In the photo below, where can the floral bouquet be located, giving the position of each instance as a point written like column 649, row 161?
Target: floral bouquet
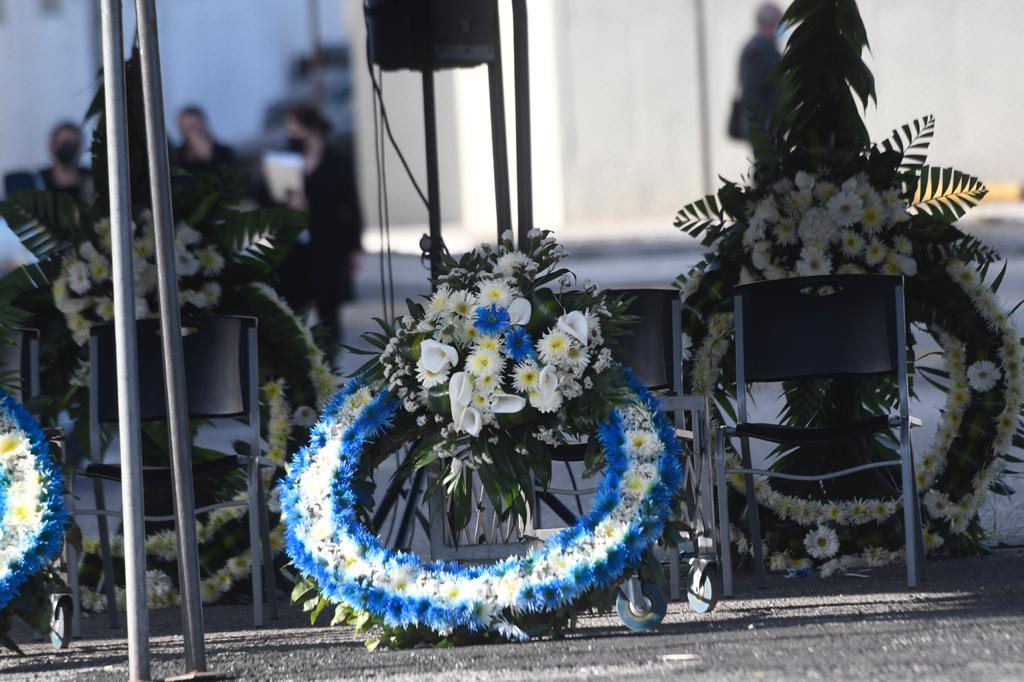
column 485, row 380
column 84, row 290
column 822, row 199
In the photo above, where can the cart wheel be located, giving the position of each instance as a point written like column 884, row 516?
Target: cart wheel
column 643, row 620
column 702, row 588
column 60, row 623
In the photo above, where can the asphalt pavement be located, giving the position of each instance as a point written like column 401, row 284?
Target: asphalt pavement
column 965, row 622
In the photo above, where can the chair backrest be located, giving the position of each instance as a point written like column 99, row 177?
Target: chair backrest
column 809, row 327
column 21, row 180
column 653, row 347
column 220, row 355
column 19, row 360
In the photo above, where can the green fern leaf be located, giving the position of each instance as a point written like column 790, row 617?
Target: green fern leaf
column 695, row 218
column 911, row 142
column 946, row 193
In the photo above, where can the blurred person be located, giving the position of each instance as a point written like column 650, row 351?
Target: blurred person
column 759, row 87
column 64, row 175
column 324, row 264
column 199, row 152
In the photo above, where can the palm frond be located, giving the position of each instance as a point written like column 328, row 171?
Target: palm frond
column 946, row 193
column 42, row 221
column 705, row 214
column 259, row 239
column 911, row 142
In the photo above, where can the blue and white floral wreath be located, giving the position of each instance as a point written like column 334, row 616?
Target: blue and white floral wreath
column 32, row 514
column 465, row 345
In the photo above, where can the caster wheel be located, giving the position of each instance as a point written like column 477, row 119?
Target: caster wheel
column 644, row 619
column 702, row 588
column 60, row 623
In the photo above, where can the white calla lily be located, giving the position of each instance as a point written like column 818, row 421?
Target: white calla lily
column 470, row 421
column 503, row 403
column 575, row 325
column 520, row 311
column 435, row 357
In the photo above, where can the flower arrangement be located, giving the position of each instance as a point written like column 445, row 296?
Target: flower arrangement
column 32, row 515
column 822, row 199
column 494, row 371
column 226, row 260
column 84, row 289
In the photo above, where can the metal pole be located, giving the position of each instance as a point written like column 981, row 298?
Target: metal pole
column 170, row 325
column 433, row 188
column 703, row 98
column 499, row 144
column 124, row 336
column 524, row 162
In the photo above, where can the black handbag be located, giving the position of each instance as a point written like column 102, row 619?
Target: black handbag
column 738, row 120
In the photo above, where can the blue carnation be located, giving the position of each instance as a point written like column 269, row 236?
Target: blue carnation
column 519, row 344
column 491, row 320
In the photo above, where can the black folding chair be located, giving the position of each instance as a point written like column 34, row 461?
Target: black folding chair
column 221, row 376
column 804, row 328
column 19, row 362
column 653, row 350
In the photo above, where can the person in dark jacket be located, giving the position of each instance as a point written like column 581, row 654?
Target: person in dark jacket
column 760, row 57
column 199, row 151
column 323, row 269
column 64, row 175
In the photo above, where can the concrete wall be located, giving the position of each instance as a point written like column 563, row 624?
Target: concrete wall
column 616, row 110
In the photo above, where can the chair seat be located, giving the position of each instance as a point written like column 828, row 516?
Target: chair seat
column 157, row 475
column 571, row 452
column 806, row 436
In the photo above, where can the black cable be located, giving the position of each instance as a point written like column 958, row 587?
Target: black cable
column 377, row 144
column 387, row 211
column 387, row 123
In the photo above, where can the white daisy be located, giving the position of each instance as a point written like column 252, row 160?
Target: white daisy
column 495, row 292
column 875, row 252
column 845, row 208
column 784, row 232
column 460, row 303
column 822, row 542
column 983, row 376
column 483, row 362
column 851, row 243
column 813, row 261
column 78, row 277
column 872, row 218
column 554, row 347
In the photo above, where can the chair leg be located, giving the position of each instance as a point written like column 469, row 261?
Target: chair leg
column 255, row 572
column 753, row 518
column 909, row 503
column 71, row 557
column 725, row 547
column 108, row 556
column 922, row 565
column 269, row 574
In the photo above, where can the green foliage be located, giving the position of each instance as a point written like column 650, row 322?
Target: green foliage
column 945, row 193
column 911, row 142
column 824, row 77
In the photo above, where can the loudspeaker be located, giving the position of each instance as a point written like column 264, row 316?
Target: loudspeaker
column 430, row 34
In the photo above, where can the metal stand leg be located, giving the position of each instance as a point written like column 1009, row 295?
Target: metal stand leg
column 269, row 574
column 725, row 546
column 256, row 573
column 524, row 171
column 108, row 557
column 499, row 144
column 71, row 558
column 753, row 517
column 922, row 567
column 910, row 517
column 433, row 188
